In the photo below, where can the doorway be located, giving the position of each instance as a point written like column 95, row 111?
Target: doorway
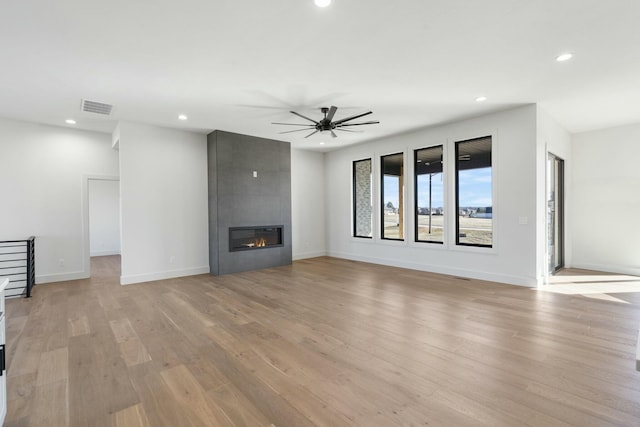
column 555, row 213
column 102, row 236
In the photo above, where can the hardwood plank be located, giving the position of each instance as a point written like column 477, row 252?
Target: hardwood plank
column 192, row 397
column 324, row 342
column 189, row 309
column 18, row 411
column 237, row 407
column 21, row 386
column 606, row 414
column 99, row 384
column 20, row 422
column 122, row 330
column 54, row 366
column 51, row 405
column 206, row 372
column 240, row 369
column 14, row 327
column 79, row 326
column 25, row 358
column 134, row 352
column 133, row 416
column 161, row 408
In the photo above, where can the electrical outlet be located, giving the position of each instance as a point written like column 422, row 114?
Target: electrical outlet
column 172, row 259
column 61, row 262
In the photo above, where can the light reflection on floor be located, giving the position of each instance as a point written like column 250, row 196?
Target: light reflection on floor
column 592, row 284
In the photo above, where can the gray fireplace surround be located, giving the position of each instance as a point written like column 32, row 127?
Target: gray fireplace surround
column 249, row 186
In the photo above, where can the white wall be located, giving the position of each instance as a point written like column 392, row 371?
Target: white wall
column 553, row 138
column 163, row 183
column 307, row 204
column 104, row 217
column 606, row 200
column 42, row 174
column 514, row 258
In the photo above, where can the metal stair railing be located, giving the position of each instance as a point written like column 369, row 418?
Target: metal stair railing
column 17, row 262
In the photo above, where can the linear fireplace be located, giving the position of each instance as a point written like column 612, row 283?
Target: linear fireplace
column 257, row 237
column 249, row 188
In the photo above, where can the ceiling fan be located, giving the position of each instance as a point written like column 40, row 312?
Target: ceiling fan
column 327, row 123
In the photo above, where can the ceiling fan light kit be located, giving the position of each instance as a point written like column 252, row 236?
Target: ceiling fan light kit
column 327, row 124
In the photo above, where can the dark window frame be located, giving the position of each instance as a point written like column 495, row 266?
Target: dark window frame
column 416, row 224
column 457, row 192
column 382, row 204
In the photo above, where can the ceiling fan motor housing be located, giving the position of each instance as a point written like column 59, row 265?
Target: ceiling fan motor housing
column 327, row 123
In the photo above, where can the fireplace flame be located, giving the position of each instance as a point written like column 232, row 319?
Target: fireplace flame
column 257, row 243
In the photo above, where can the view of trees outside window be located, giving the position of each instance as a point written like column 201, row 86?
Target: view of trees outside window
column 392, row 197
column 474, row 196
column 429, row 191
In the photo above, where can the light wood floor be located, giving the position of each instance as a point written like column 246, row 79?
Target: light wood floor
column 323, row 342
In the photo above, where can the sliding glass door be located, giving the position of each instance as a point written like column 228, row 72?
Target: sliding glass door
column 555, row 213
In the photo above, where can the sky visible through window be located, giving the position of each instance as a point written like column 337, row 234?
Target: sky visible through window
column 391, row 190
column 475, row 189
column 437, row 191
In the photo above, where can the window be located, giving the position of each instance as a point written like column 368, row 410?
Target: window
column 429, row 195
column 362, row 194
column 392, row 197
column 474, row 200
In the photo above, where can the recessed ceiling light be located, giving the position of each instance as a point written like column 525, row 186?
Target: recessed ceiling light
column 322, row 3
column 182, row 117
column 481, row 99
column 564, row 57
column 322, row 143
column 70, row 122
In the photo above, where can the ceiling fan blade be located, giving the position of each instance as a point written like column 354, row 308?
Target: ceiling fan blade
column 357, row 116
column 349, row 130
column 267, row 107
column 291, row 124
column 315, row 131
column 295, row 130
column 332, row 112
column 358, row 124
column 333, row 134
column 304, row 117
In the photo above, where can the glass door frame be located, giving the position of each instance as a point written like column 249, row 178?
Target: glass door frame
column 555, row 213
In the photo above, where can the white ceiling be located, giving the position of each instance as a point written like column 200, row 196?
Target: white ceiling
column 238, row 65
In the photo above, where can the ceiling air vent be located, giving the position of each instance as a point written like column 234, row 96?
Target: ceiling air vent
column 96, row 107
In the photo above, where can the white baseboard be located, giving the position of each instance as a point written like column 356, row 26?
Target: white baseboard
column 162, row 275
column 616, row 269
column 61, row 277
column 104, row 253
column 461, row 272
column 306, row 255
